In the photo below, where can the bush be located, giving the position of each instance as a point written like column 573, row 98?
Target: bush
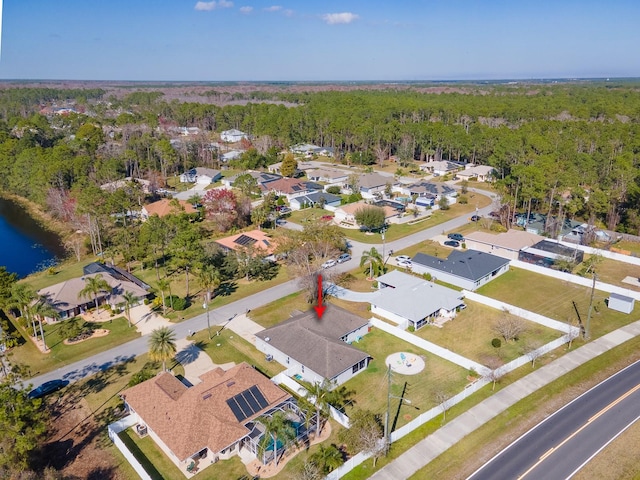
column 334, row 190
column 146, row 301
column 463, row 200
column 180, row 303
column 427, row 277
column 496, row 343
column 411, row 328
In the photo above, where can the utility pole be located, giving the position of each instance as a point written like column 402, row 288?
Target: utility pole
column 206, row 305
column 386, row 416
column 587, row 333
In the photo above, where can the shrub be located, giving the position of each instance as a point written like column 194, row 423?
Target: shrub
column 463, row 200
column 411, row 328
column 496, row 343
column 427, row 277
column 180, row 303
column 146, row 301
column 334, row 190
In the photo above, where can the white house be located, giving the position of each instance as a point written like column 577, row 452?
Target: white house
column 317, row 350
column 481, row 173
column 233, row 135
column 430, row 190
column 468, row 269
column 442, row 167
column 230, row 155
column 315, row 198
column 370, row 184
column 411, row 301
column 201, row 175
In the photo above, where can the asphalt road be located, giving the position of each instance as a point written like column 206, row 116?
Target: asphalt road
column 564, row 442
column 219, row 316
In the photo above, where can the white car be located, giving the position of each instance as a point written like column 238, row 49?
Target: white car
column 405, row 263
column 329, row 263
column 403, row 258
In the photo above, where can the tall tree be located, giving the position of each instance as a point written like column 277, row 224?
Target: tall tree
column 162, row 345
column 289, row 165
column 319, row 394
column 373, row 261
column 277, row 427
column 210, row 279
column 130, row 300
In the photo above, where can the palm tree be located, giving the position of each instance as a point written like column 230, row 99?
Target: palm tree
column 277, row 426
column 209, row 279
column 22, row 295
column 162, row 345
column 163, row 284
column 40, row 309
column 373, row 259
column 328, row 458
column 130, row 300
column 93, row 286
column 320, row 395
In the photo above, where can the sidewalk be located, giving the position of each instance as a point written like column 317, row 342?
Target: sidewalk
column 437, row 443
column 245, row 327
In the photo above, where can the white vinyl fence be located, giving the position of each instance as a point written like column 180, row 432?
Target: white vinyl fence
column 114, row 429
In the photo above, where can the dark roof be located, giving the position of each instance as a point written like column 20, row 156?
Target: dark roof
column 314, row 197
column 470, row 264
column 554, row 247
column 432, row 188
column 116, row 272
column 316, row 343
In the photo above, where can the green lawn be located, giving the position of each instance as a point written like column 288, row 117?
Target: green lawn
column 279, row 310
column 64, row 272
column 613, row 272
column 370, row 386
column 60, row 354
column 554, row 299
column 633, row 247
column 471, row 332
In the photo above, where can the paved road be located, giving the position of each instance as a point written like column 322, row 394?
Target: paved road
column 219, row 316
column 560, row 445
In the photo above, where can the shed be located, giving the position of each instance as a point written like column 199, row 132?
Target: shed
column 621, row 303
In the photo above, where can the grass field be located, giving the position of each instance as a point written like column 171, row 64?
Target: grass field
column 60, row 354
column 613, row 272
column 471, row 332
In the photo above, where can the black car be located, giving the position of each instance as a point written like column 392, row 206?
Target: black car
column 456, row 236
column 452, row 243
column 475, row 218
column 47, row 388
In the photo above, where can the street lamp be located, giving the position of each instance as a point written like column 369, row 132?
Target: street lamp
column 206, row 305
column 382, row 232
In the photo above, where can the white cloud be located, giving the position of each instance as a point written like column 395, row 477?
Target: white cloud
column 336, row 18
column 288, row 12
column 208, row 6
column 246, row 10
column 273, row 8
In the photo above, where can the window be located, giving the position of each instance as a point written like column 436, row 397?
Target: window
column 287, row 360
column 302, row 368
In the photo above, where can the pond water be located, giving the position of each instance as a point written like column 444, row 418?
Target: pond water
column 25, row 247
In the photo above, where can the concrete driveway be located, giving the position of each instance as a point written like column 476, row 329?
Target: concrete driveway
column 146, row 320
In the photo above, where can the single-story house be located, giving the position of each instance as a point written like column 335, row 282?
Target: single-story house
column 315, row 198
column 442, row 167
column 430, row 190
column 166, row 207
column 411, row 301
column 113, row 186
column 201, row 175
column 230, row 155
column 65, row 297
column 290, row 187
column 328, row 176
column 213, row 420
column 547, row 253
column 621, row 303
column 189, row 131
column 506, row 245
column 233, row 135
column 115, row 271
column 370, row 184
column 468, row 269
column 309, row 150
column 261, row 178
column 302, row 167
column 315, row 350
column 584, row 233
column 481, row 173
column 254, row 239
column 346, row 214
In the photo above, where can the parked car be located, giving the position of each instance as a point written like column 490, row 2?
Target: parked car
column 345, row 257
column 475, row 218
column 405, row 264
column 403, row 258
column 452, row 243
column 47, row 388
column 329, row 263
column 458, row 237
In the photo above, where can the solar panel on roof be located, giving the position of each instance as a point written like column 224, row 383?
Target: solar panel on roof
column 251, row 400
column 244, row 240
column 259, row 397
column 244, row 405
column 239, row 414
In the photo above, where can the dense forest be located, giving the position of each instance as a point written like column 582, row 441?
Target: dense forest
column 568, row 148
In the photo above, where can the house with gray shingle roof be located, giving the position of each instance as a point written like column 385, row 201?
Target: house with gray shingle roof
column 315, row 198
column 412, row 301
column 468, row 269
column 315, row 350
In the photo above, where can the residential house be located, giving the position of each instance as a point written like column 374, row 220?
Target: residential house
column 346, row 214
column 213, row 420
column 480, row 173
column 230, row 155
column 290, row 187
column 302, row 167
column 261, row 178
column 201, row 176
column 315, row 198
column 411, row 301
column 442, row 167
column 315, row 350
column 506, row 245
column 430, row 190
column 166, row 207
column 329, row 177
column 468, row 269
column 65, row 297
column 256, row 239
column 111, row 187
column 373, row 184
column 547, row 253
column 309, row 150
column 189, row 131
column 233, row 135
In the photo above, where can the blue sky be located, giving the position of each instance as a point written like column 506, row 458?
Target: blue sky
column 223, row 40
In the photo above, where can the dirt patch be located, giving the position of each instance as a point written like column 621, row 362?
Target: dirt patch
column 76, row 443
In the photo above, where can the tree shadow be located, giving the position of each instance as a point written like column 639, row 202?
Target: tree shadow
column 189, row 354
column 227, row 288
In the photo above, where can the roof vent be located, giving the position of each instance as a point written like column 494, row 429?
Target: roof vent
column 231, row 383
column 206, row 395
column 266, row 339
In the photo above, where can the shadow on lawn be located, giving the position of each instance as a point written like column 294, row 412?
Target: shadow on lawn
column 226, row 288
